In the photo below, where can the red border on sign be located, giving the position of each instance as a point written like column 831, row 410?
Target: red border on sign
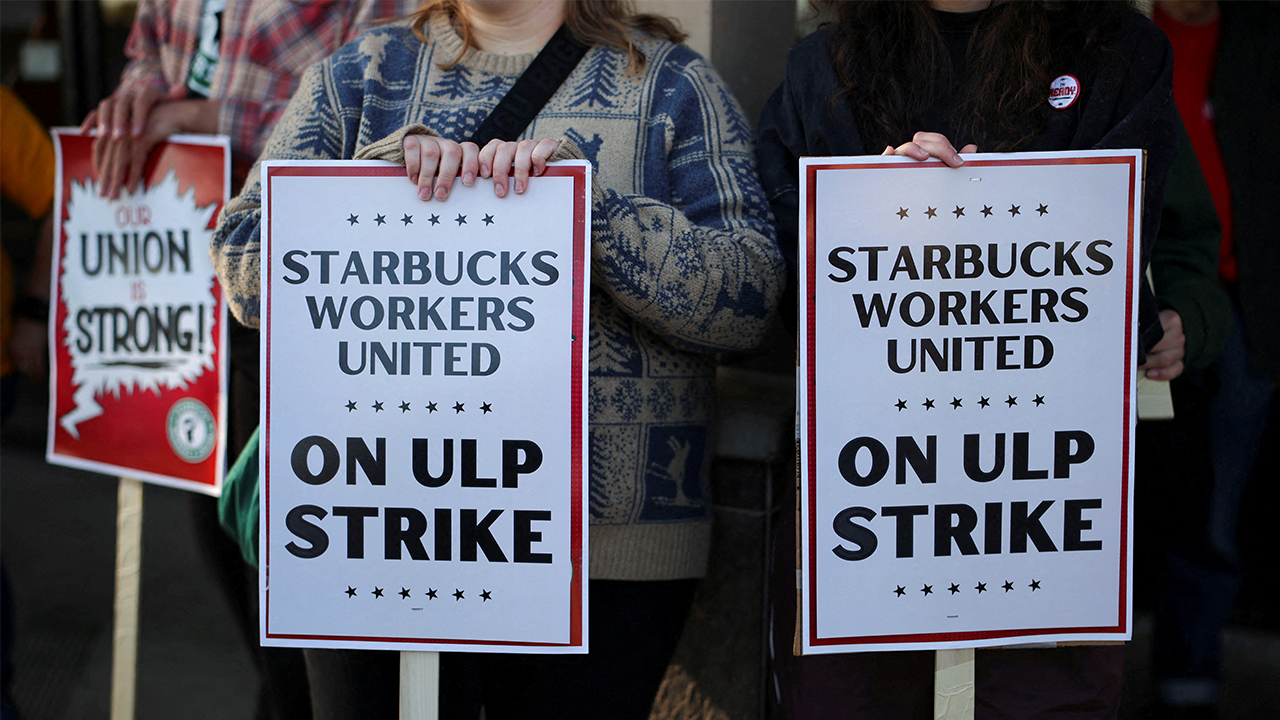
column 128, row 438
column 811, row 490
column 581, row 256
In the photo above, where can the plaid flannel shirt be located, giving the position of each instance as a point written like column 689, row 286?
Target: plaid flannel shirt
column 265, row 46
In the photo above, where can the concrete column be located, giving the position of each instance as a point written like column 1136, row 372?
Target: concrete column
column 746, row 40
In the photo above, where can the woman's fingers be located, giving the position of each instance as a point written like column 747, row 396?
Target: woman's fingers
column 925, row 145
column 508, row 163
column 142, row 102
column 447, row 166
column 503, row 157
column 542, row 152
column 90, row 122
column 421, row 160
column 515, row 161
column 470, row 163
column 119, row 123
column 412, row 160
column 111, row 173
column 522, row 164
column 434, row 164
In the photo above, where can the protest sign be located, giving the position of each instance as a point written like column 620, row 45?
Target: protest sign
column 967, row 383
column 424, row 423
column 138, row 337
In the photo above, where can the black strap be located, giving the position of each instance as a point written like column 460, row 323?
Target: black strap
column 533, row 89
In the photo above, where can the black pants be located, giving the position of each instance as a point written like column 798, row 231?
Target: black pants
column 633, row 631
column 282, row 671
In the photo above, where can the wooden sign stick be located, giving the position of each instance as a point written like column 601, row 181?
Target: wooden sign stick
column 953, row 685
column 124, row 655
column 419, row 685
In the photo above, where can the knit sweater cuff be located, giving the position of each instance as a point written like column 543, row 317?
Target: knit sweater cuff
column 654, row 551
column 391, row 147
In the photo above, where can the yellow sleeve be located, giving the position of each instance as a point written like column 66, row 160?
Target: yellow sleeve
column 26, row 157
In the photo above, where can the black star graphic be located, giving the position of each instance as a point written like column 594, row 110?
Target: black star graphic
column 958, row 212
column 404, row 593
column 351, row 405
column 380, row 219
column 377, row 592
column 927, row 589
column 457, row 595
column 1035, row 585
column 986, row 211
column 1011, row 401
column 980, row 587
column 902, row 213
column 901, row 405
column 1007, row 586
column 377, row 407
column 431, row 407
column 931, row 212
column 984, row 402
column 1039, row 400
column 928, row 403
column 1043, row 210
column 354, row 219
column 435, row 219
column 954, row 588
column 900, row 591
column 486, row 408
column 486, row 595
column 488, row 219
column 351, row 592
column 955, row 403
column 1013, row 210
column 431, row 593
column 407, row 219
column 457, row 408
column 461, row 219
column 404, row 407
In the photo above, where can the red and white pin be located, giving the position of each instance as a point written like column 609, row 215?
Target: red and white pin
column 1063, row 91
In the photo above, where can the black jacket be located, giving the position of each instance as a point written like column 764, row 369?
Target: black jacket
column 1127, row 103
column 1246, row 102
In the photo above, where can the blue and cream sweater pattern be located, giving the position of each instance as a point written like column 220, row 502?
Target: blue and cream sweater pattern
column 684, row 260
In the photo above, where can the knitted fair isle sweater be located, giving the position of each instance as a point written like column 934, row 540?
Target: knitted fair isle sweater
column 684, row 260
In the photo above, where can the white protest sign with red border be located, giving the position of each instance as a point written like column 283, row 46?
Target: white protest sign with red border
column 138, row 340
column 967, row 386
column 424, row 421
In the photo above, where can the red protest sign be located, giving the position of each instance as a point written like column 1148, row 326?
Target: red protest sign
column 137, row 341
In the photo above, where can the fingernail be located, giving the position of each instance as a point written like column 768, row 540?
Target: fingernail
column 413, row 179
column 468, row 178
column 484, row 170
column 499, row 189
column 958, row 160
column 118, row 133
column 442, row 192
column 519, row 187
column 425, row 193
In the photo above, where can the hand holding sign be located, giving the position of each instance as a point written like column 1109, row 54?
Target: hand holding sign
column 428, row 158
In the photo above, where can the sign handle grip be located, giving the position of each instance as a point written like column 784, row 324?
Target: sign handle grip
column 124, row 655
column 953, row 685
column 419, row 685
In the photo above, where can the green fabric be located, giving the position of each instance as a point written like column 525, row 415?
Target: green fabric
column 238, row 504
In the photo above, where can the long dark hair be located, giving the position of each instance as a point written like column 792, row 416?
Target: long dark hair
column 890, row 59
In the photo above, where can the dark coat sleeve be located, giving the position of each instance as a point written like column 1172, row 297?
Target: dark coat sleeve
column 1184, row 263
